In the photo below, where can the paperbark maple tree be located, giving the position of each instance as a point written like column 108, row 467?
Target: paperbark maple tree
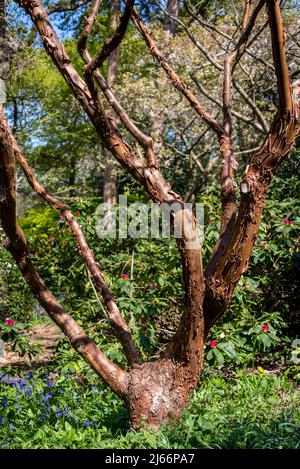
column 158, row 391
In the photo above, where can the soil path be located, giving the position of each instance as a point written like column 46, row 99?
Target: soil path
column 46, row 335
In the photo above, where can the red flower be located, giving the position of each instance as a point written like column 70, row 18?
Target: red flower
column 265, row 328
column 125, row 276
column 287, row 221
column 213, row 343
column 9, row 322
column 62, row 217
column 263, row 246
column 77, row 213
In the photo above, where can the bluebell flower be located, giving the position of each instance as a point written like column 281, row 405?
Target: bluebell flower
column 87, row 424
column 39, row 310
column 6, row 380
column 47, row 396
column 4, row 401
column 29, row 391
column 59, row 413
column 22, row 384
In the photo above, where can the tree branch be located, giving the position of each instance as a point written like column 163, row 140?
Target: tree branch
column 227, row 265
column 112, row 44
column 16, row 244
column 278, row 47
column 177, row 82
column 145, row 141
column 69, row 6
column 117, row 322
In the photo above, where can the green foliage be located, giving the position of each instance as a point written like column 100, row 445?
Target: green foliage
column 145, row 278
column 71, row 410
column 16, row 301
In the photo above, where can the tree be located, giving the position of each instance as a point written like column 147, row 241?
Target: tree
column 157, row 391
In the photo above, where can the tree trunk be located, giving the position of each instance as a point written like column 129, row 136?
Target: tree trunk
column 158, row 392
column 113, row 59
column 172, row 10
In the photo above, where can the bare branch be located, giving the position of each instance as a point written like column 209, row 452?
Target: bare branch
column 213, row 99
column 110, row 45
column 246, row 14
column 16, row 244
column 215, row 64
column 118, row 324
column 87, row 29
column 63, row 6
column 144, row 140
column 252, row 105
column 177, row 81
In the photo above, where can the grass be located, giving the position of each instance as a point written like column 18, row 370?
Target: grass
column 71, row 411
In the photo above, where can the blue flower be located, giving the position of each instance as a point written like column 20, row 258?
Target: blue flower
column 87, row 424
column 4, row 401
column 22, row 384
column 29, row 391
column 59, row 413
column 46, row 397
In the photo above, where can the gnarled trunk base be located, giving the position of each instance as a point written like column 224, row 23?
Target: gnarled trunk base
column 158, row 392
